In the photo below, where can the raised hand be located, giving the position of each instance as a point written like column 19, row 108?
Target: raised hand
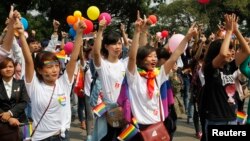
column 18, row 27
column 229, row 22
column 103, row 23
column 81, row 26
column 235, row 23
column 56, row 24
column 138, row 23
column 193, row 31
column 122, row 27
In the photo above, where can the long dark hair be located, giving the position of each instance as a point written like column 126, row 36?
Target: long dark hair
column 110, row 37
column 142, row 53
column 39, row 61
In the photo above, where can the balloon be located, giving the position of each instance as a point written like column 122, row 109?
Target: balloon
column 24, row 23
column 158, row 34
column 72, row 32
column 203, row 1
column 93, row 12
column 68, row 47
column 245, row 68
column 77, row 13
column 164, row 33
column 89, row 25
column 71, row 20
column 75, row 26
column 26, row 34
column 107, row 17
column 153, row 19
column 174, row 41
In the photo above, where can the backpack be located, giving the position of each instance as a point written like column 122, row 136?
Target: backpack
column 95, row 86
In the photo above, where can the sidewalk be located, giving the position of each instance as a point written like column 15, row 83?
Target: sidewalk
column 184, row 132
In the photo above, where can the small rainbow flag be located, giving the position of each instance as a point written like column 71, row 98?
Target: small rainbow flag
column 241, row 117
column 128, row 133
column 27, row 130
column 135, row 122
column 61, row 54
column 100, row 109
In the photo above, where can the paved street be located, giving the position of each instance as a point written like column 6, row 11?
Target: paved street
column 184, row 131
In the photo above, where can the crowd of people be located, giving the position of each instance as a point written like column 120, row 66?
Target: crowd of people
column 116, row 81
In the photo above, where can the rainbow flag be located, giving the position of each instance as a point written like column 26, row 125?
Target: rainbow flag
column 241, row 117
column 100, row 109
column 27, row 130
column 128, row 133
column 61, row 54
column 135, row 122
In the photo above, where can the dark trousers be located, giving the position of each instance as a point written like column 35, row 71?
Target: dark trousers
column 112, row 134
column 58, row 137
column 8, row 133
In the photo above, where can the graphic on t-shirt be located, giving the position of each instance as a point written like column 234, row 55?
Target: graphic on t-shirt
column 230, row 90
column 62, row 100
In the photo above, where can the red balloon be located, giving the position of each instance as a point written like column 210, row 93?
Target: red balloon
column 89, row 25
column 164, row 33
column 203, row 1
column 152, row 18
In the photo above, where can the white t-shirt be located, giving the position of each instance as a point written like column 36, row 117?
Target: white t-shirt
column 87, row 82
column 111, row 76
column 145, row 110
column 58, row 116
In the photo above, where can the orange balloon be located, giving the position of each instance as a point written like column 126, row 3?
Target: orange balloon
column 153, row 19
column 75, row 25
column 71, row 20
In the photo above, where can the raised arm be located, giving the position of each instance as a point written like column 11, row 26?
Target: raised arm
column 124, row 36
column 135, row 45
column 29, row 64
column 224, row 50
column 70, row 68
column 143, row 39
column 8, row 38
column 168, row 65
column 96, row 53
column 245, row 50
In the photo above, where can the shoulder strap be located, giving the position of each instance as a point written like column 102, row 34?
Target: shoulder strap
column 159, row 99
column 33, row 132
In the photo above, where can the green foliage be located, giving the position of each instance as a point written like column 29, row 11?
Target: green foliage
column 178, row 16
column 175, row 17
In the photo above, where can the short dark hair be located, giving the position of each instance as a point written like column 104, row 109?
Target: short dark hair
column 4, row 63
column 39, row 61
column 142, row 53
column 31, row 39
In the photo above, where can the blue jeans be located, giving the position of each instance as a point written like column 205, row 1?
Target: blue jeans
column 58, row 137
column 28, row 110
column 210, row 122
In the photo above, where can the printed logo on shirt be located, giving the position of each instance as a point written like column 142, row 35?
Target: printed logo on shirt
column 62, row 99
column 227, row 79
column 229, row 85
column 230, row 90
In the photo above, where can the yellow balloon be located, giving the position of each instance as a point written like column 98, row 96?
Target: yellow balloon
column 93, row 12
column 77, row 13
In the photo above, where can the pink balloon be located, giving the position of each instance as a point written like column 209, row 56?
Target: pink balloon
column 107, row 17
column 68, row 48
column 174, row 41
column 158, row 34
